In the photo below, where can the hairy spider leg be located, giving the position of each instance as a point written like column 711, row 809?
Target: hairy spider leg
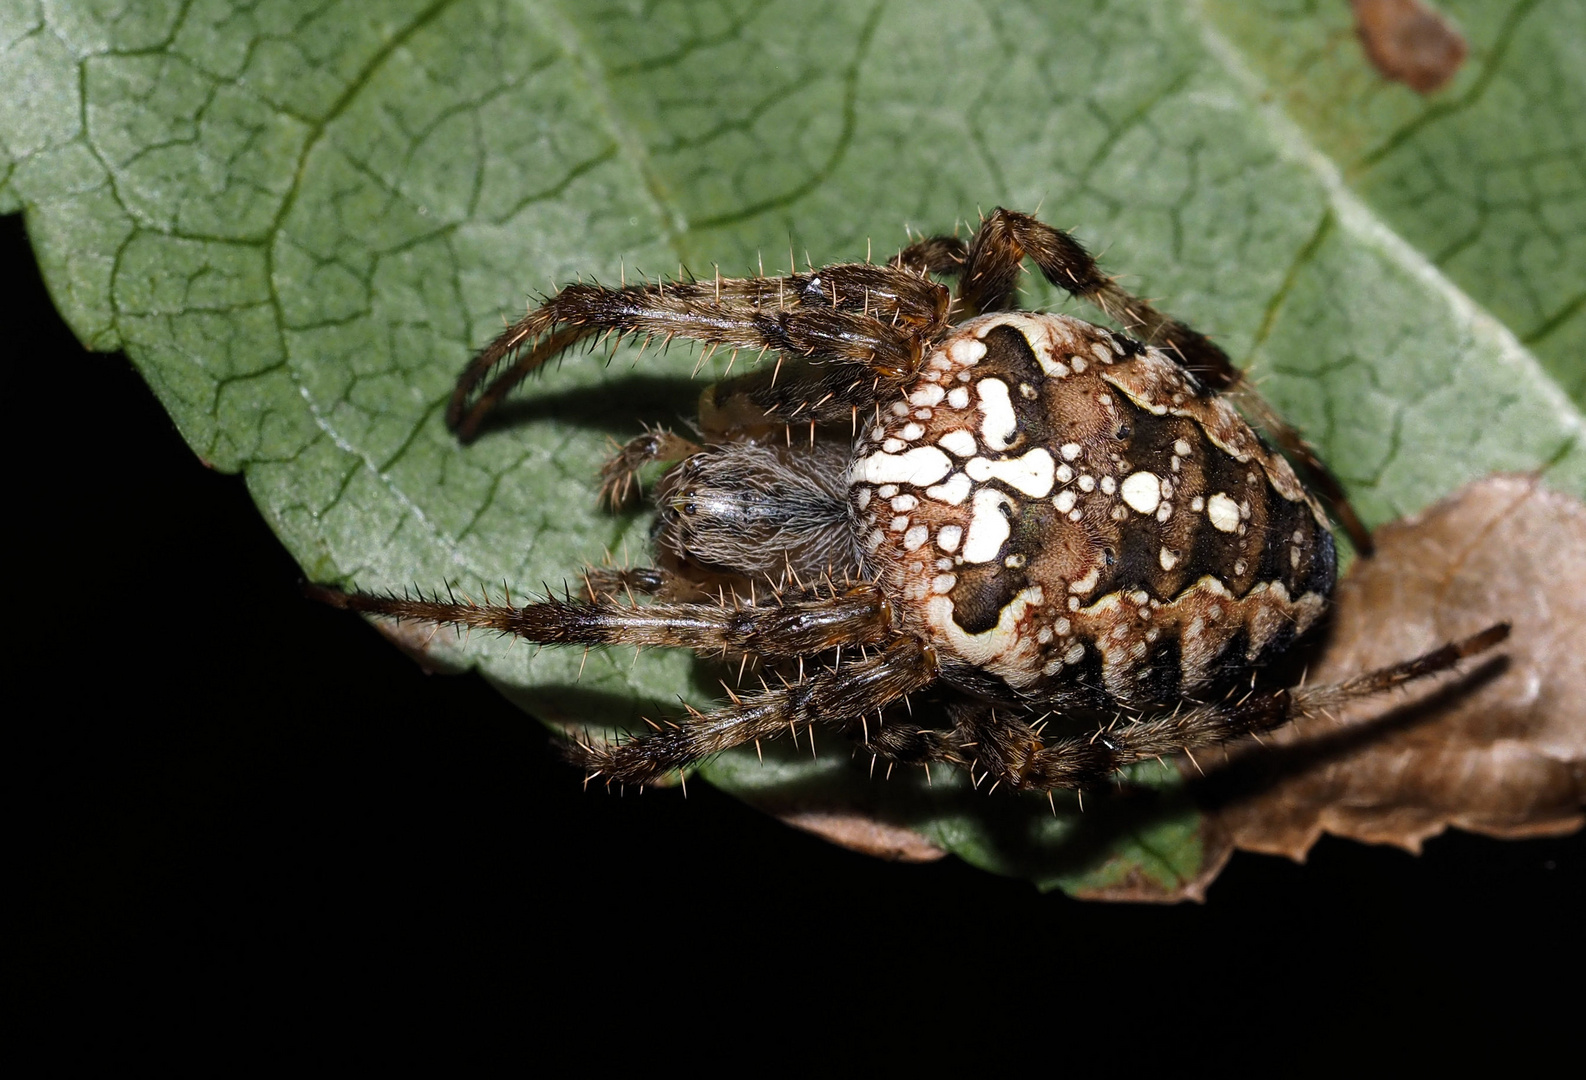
column 854, row 313
column 943, row 255
column 466, row 411
column 988, row 282
column 619, row 582
column 800, row 622
column 797, row 623
column 838, row 696
column 799, row 393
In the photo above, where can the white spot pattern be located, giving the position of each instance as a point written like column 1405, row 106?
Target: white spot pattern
column 921, row 466
column 966, row 352
column 954, row 492
column 959, row 442
column 988, row 528
column 1000, row 423
column 1223, row 512
column 1031, row 474
column 1142, row 491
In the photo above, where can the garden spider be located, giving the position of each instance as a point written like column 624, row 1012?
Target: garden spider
column 1020, row 544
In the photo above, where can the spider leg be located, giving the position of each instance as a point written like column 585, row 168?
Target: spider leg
column 898, row 294
column 991, row 274
column 798, row 394
column 1319, row 700
column 466, row 410
column 933, row 255
column 1000, row 740
column 988, row 281
column 698, row 586
column 830, row 393
column 904, row 742
column 1087, row 760
column 619, row 582
column 837, row 696
column 852, row 313
column 794, row 623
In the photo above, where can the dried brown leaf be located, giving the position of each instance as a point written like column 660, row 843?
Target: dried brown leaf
column 1499, row 749
column 859, row 832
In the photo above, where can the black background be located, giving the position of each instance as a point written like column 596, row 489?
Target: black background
column 241, row 797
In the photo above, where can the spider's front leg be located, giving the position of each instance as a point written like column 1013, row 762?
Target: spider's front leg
column 857, row 314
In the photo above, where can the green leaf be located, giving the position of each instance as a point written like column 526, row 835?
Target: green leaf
column 1487, row 179
column 299, row 219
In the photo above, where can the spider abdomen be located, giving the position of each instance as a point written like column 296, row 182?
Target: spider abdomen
column 1067, row 510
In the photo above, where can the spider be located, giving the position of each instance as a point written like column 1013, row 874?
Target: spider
column 1019, row 544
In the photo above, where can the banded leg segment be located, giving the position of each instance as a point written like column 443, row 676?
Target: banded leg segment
column 897, row 741
column 1320, row 700
column 854, row 313
column 836, row 696
column 794, row 624
column 469, row 404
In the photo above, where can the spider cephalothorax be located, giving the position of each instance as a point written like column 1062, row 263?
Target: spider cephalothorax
column 1063, row 542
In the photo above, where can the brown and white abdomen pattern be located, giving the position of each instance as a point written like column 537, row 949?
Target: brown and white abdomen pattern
column 1068, row 510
